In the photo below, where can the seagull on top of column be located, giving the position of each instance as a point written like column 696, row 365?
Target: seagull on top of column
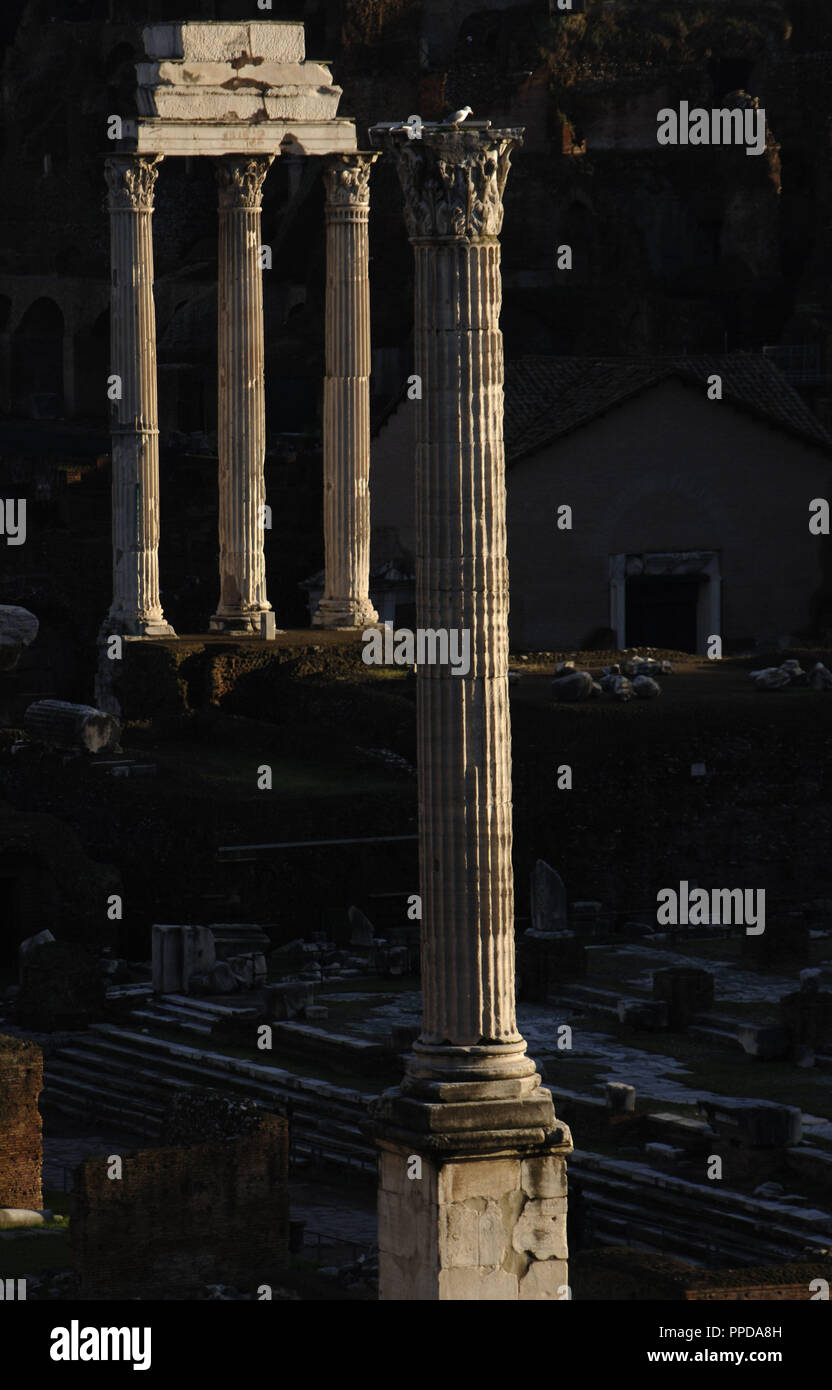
column 457, row 117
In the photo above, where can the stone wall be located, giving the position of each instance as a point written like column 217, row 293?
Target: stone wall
column 21, row 1082
column 181, row 1218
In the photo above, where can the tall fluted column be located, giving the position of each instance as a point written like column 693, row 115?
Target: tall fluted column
column 241, row 424
column 346, row 599
column 489, row 1221
column 136, row 609
column 453, row 184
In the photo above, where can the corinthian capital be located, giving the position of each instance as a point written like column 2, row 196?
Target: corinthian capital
column 347, row 179
column 131, row 181
column 452, row 180
column 240, row 181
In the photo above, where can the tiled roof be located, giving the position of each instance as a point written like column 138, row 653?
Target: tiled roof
column 547, row 397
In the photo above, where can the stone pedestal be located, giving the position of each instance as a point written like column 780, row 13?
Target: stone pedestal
column 471, row 1229
column 470, row 1106
column 241, row 420
column 346, row 425
column 136, row 609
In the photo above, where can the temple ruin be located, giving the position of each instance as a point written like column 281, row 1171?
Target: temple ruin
column 239, row 94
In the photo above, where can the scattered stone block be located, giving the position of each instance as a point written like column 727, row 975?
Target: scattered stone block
column 178, row 954
column 81, row 728
column 808, row 1014
column 621, row 1099
column 666, row 1153
column 361, row 933
column 288, row 1000
column 757, row 1124
column 548, row 899
column 768, row 1041
column 14, row 1217
column 18, row 629
column 30, row 946
column 651, row 1015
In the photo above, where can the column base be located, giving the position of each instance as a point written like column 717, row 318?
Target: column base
column 237, row 624
column 345, row 613
column 472, row 1224
column 125, row 625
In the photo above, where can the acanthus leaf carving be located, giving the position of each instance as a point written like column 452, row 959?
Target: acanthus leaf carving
column 131, row 181
column 453, row 182
column 240, row 181
column 347, row 179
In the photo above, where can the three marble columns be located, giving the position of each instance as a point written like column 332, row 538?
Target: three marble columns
column 472, row 1196
column 136, row 608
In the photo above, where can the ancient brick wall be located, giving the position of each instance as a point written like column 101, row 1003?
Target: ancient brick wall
column 21, row 1082
column 180, row 1218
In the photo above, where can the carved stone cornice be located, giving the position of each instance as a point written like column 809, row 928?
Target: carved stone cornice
column 131, row 181
column 240, row 181
column 347, row 179
column 452, row 180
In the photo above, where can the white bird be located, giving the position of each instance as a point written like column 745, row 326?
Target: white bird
column 457, row 117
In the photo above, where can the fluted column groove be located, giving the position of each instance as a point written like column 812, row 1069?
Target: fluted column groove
column 241, row 413
column 346, row 416
column 136, row 608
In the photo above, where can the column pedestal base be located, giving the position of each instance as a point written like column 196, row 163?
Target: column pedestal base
column 470, row 1215
column 237, row 624
column 344, row 613
column 122, row 626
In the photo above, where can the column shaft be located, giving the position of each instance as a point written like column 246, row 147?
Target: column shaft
column 346, row 423
column 463, row 729
column 241, row 425
column 136, row 608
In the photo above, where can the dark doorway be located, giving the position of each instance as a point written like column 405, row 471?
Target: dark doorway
column 661, row 611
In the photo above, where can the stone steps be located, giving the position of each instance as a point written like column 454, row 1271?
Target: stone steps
column 124, row 1076
column 711, row 1033
column 116, row 1074
column 695, row 1222
column 187, row 1014
column 171, row 1019
column 65, row 1097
